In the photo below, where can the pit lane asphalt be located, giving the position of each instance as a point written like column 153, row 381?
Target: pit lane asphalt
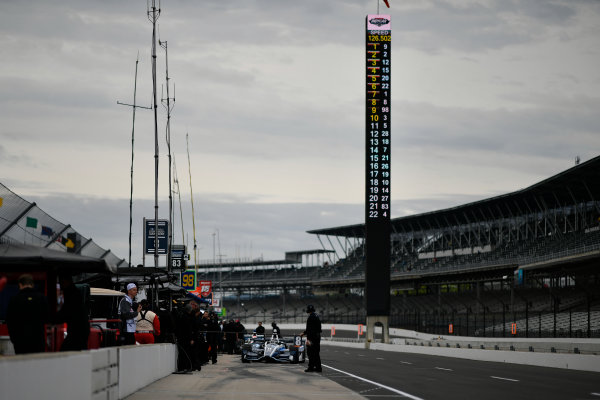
column 350, row 373
column 230, row 379
column 383, row 374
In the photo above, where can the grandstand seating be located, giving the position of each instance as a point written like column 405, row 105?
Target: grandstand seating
column 460, row 265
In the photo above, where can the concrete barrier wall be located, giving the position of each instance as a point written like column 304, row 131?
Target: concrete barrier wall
column 107, row 374
column 583, row 362
column 575, row 346
column 403, row 336
column 139, row 366
column 46, row 376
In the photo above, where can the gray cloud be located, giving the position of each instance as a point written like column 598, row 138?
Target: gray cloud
column 490, row 95
column 245, row 228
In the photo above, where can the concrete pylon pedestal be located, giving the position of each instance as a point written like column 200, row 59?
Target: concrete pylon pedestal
column 372, row 320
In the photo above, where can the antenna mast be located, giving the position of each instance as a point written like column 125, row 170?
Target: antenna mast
column 153, row 15
column 134, row 106
column 169, row 106
column 176, row 182
column 193, row 218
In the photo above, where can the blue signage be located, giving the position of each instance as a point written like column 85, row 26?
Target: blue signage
column 187, row 280
column 149, row 236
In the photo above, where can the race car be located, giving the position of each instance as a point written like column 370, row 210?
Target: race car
column 275, row 349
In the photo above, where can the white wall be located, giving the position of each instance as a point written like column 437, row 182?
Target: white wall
column 110, row 373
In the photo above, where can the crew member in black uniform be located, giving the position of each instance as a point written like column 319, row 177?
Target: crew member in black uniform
column 260, row 330
column 276, row 331
column 212, row 337
column 313, row 340
column 74, row 312
column 26, row 315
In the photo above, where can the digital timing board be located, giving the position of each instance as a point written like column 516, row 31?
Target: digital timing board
column 378, row 163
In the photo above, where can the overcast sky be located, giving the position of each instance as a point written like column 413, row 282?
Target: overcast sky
column 488, row 97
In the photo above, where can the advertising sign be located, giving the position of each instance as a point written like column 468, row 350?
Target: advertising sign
column 149, row 236
column 204, row 291
column 188, row 280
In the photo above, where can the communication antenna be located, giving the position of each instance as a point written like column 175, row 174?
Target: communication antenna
column 153, row 15
column 193, row 218
column 577, row 160
column 133, row 106
column 220, row 266
column 168, row 103
column 176, row 182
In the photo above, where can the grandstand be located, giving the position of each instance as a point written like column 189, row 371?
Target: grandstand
column 524, row 263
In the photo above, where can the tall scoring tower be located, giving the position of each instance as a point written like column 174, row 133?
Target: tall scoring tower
column 378, row 172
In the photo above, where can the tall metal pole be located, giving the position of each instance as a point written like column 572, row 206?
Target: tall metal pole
column 132, row 143
column 153, row 15
column 176, row 181
column 134, row 106
column 193, row 217
column 169, row 106
column 220, row 267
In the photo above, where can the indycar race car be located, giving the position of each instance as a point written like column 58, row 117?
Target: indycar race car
column 258, row 348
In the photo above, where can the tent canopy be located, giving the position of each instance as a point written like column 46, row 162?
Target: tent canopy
column 17, row 257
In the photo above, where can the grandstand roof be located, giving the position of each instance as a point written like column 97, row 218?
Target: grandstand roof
column 576, row 185
column 250, row 263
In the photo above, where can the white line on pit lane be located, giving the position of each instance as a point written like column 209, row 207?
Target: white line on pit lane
column 379, row 358
column 405, row 362
column 504, row 379
column 391, row 389
column 595, row 394
column 444, row 369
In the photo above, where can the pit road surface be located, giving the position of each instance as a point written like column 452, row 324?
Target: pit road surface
column 389, row 375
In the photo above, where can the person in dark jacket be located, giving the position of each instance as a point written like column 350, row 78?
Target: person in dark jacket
column 260, row 330
column 199, row 348
column 203, row 326
column 185, row 331
column 74, row 313
column 230, row 336
column 313, row 340
column 167, row 325
column 26, row 315
column 212, row 336
column 276, row 331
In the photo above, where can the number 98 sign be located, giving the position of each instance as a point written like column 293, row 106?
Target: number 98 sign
column 187, row 280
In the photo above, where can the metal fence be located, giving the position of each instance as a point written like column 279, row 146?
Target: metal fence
column 24, row 222
column 565, row 324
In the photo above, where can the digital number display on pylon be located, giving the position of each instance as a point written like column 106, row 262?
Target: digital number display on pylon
column 378, row 117
column 378, row 69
